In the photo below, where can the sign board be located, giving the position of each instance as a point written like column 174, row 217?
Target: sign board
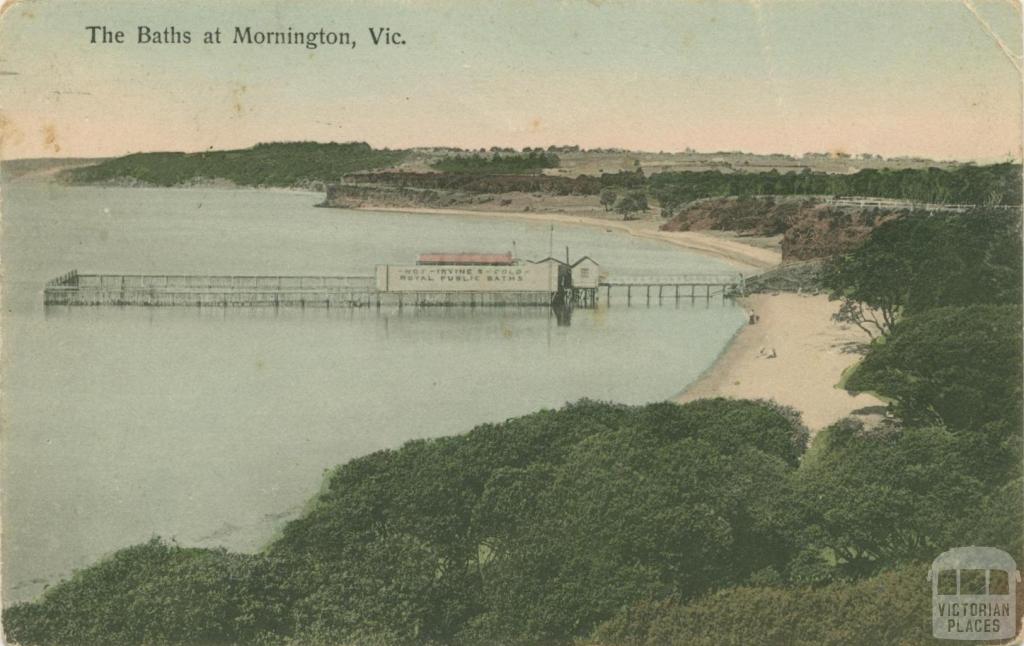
column 460, row 278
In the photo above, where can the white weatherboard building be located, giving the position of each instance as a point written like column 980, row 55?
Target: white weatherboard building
column 586, row 274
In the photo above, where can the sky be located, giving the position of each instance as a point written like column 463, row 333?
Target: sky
column 930, row 78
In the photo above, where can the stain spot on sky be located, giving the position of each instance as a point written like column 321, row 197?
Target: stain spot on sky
column 9, row 133
column 50, row 141
column 237, row 95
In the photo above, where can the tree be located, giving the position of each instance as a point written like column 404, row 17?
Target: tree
column 608, row 197
column 956, row 366
column 630, row 203
column 921, row 261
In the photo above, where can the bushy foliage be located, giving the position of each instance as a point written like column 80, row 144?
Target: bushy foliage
column 269, row 164
column 875, row 506
column 892, row 608
column 871, row 499
column 630, row 513
column 158, row 593
column 763, row 216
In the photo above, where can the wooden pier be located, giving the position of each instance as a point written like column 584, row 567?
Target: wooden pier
column 76, row 289
column 73, row 288
column 675, row 288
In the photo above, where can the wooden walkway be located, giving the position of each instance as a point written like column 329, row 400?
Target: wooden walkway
column 73, row 288
column 674, row 288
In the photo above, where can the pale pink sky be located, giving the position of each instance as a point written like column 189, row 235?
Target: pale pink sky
column 901, row 77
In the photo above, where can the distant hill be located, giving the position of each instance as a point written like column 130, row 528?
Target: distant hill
column 309, row 163
column 42, row 166
column 270, row 164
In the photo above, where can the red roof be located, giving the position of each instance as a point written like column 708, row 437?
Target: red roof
column 465, row 259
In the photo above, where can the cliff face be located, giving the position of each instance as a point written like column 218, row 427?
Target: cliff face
column 353, row 196
column 809, row 228
column 822, row 231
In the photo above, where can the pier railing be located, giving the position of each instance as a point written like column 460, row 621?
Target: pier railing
column 69, row 279
column 862, row 201
column 220, row 282
column 674, row 279
column 675, row 288
column 73, row 288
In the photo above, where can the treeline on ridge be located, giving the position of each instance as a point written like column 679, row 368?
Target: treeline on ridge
column 993, row 185
column 984, row 185
column 308, row 163
column 996, row 184
column 496, row 163
column 502, row 183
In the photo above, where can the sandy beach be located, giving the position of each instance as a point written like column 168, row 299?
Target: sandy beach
column 809, row 360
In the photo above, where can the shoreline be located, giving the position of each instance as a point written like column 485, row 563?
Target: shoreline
column 795, row 355
column 744, row 257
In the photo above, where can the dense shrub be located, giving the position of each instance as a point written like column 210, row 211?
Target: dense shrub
column 158, row 593
column 893, row 608
column 872, row 498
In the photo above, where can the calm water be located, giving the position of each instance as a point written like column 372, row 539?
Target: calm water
column 215, row 426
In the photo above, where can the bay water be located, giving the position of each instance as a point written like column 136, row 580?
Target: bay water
column 213, row 427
